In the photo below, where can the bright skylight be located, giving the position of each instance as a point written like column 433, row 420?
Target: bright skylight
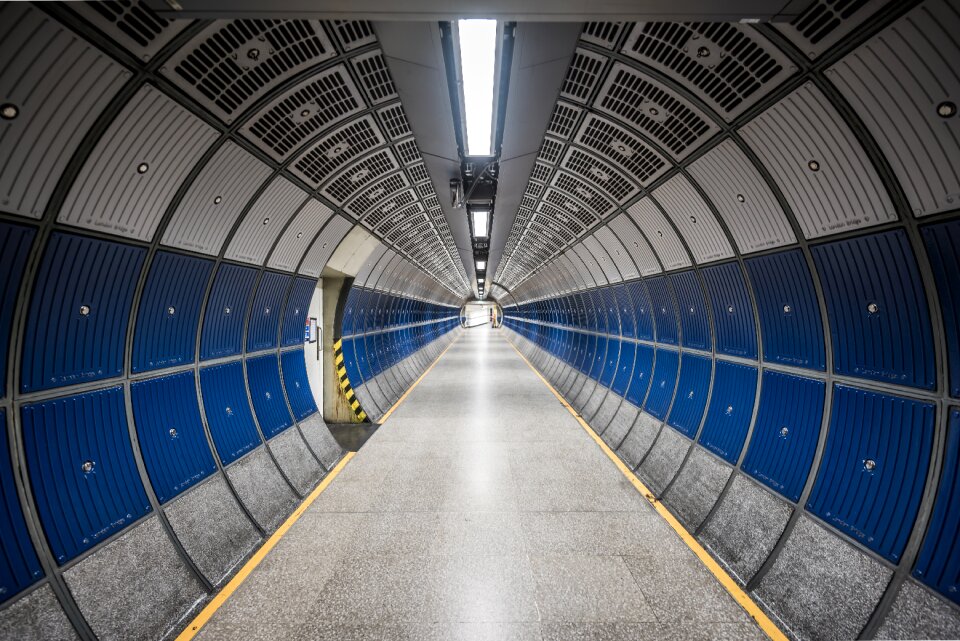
column 478, row 53
column 480, row 220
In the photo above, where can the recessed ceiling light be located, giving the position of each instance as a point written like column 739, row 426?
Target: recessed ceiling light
column 813, row 165
column 9, row 111
column 142, row 168
column 266, row 220
column 218, row 200
column 478, row 58
column 945, row 109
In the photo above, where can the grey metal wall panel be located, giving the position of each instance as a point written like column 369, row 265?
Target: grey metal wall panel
column 618, row 253
column 324, row 246
column 378, row 260
column 699, row 227
column 591, row 263
column 264, row 221
column 133, row 25
column 818, row 164
column 134, row 172
column 215, row 200
column 640, row 250
column 603, row 256
column 661, row 235
column 741, row 195
column 897, row 82
column 58, row 85
column 825, row 22
column 298, row 235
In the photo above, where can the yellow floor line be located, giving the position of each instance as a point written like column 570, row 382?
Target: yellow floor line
column 740, row 596
column 221, row 597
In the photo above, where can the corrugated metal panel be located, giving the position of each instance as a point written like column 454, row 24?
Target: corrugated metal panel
column 731, row 66
column 170, row 433
column 911, row 64
column 661, row 235
column 15, row 243
column 639, row 249
column 19, row 566
column 132, row 175
column 939, row 562
column 943, row 249
column 263, row 373
column 664, row 310
column 621, row 379
column 790, row 322
column 663, row 383
column 733, row 318
column 625, row 307
column 821, row 169
column 731, row 408
column 231, row 63
column 82, row 469
column 297, row 237
column 215, row 200
column 651, row 108
column 879, row 321
column 79, row 311
column 643, row 311
column 692, row 307
column 295, row 314
column 785, row 435
column 226, row 308
column 642, row 375
column 692, row 389
column 823, row 23
column 58, row 84
column 265, row 315
column 228, row 412
column 608, row 267
column 264, row 222
column 705, row 238
column 878, row 447
column 742, row 197
column 297, row 385
column 169, row 314
column 324, row 246
column 132, row 24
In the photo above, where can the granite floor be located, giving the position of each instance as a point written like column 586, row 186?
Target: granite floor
column 480, row 510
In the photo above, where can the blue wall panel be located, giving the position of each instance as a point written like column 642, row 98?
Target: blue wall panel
column 266, row 313
column 877, row 309
column 166, row 333
column 625, row 307
column 664, row 382
column 295, row 315
column 943, row 249
column 351, row 311
column 170, row 432
column 692, row 389
column 611, row 309
column 15, row 242
column 939, row 562
column 790, row 322
column 296, row 384
column 77, row 322
column 642, row 375
column 692, row 307
column 610, row 366
column 599, row 358
column 664, row 310
column 82, row 469
column 228, row 410
column 731, row 408
column 785, row 435
column 874, row 467
column 266, row 391
column 621, row 380
column 19, row 566
column 643, row 311
column 226, row 308
column 733, row 318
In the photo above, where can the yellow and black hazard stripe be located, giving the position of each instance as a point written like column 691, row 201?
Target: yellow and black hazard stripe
column 345, row 381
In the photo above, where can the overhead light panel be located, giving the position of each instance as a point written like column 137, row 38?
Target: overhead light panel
column 481, row 220
column 478, row 58
column 481, row 264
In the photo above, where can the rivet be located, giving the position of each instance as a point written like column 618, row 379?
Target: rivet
column 226, row 310
column 87, row 467
column 869, row 465
column 229, row 411
column 9, row 111
column 693, row 219
column 945, row 109
column 873, row 308
column 173, row 432
column 813, row 165
column 171, row 310
column 218, row 200
column 654, row 111
column 84, row 310
column 729, row 309
column 740, row 198
column 784, row 431
column 266, row 220
column 703, row 52
column 729, row 410
column 267, row 394
column 304, row 113
column 142, row 168
column 266, row 310
column 300, row 235
column 693, row 311
column 787, row 309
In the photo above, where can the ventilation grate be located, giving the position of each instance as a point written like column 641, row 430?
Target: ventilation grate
column 320, row 102
column 374, row 77
column 534, row 189
column 604, row 34
column 578, row 189
column 654, row 110
column 562, row 207
column 425, row 190
column 132, row 24
column 615, row 144
column 407, row 213
column 359, row 175
column 366, row 200
column 432, row 203
column 408, row 151
column 599, row 173
column 352, row 34
column 550, row 151
column 541, row 172
column 418, row 173
column 335, row 150
column 527, row 201
column 229, row 65
column 825, row 22
column 582, row 75
column 564, row 119
column 731, row 65
column 394, row 121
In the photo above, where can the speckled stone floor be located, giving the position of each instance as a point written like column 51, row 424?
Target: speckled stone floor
column 480, row 510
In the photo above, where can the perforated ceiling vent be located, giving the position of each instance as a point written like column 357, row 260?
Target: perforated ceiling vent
column 732, row 66
column 366, row 200
column 600, row 174
column 385, row 209
column 604, row 34
column 550, row 151
column 394, row 121
column 359, row 175
column 352, row 34
column 374, row 76
column 564, row 119
column 582, row 75
column 336, row 149
column 651, row 108
column 825, row 22
column 615, row 144
column 132, row 24
column 578, row 189
column 231, row 64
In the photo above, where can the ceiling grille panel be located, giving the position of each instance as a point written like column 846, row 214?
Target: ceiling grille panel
column 600, row 174
column 374, row 77
column 564, row 119
column 132, row 24
column 583, row 74
column 359, row 175
column 576, row 188
column 822, row 24
column 378, row 192
column 332, row 152
column 352, row 34
column 394, row 121
column 604, row 34
column 616, row 145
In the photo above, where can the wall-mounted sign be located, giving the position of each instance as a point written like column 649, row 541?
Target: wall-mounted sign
column 310, row 330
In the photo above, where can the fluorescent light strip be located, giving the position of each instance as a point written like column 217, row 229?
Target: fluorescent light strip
column 481, row 218
column 478, row 56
